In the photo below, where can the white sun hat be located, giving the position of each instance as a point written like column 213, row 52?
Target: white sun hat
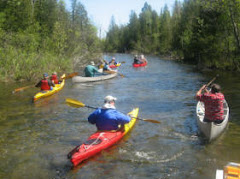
column 107, row 101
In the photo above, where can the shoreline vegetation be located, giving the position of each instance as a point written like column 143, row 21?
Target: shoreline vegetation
column 203, row 33
column 42, row 36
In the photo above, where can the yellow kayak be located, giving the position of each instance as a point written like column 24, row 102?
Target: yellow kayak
column 56, row 88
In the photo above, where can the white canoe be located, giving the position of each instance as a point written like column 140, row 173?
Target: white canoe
column 211, row 130
column 82, row 79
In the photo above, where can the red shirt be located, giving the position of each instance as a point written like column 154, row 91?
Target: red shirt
column 213, row 103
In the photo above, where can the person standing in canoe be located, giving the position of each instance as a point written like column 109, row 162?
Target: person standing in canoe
column 213, row 102
column 45, row 84
column 108, row 118
column 91, row 70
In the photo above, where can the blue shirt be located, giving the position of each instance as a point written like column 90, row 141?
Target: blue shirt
column 108, row 119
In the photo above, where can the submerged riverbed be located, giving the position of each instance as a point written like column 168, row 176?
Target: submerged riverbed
column 36, row 137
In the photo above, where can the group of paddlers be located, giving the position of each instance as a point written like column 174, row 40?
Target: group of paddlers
column 46, row 84
column 139, row 59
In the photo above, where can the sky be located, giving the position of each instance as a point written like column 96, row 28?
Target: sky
column 101, row 11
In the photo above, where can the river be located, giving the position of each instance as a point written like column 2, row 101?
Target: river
column 36, row 137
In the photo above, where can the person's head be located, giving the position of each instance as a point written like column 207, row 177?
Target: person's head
column 45, row 75
column 54, row 73
column 135, row 56
column 113, row 58
column 92, row 63
column 109, row 102
column 215, row 88
column 142, row 56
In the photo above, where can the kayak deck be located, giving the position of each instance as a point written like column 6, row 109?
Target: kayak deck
column 99, row 141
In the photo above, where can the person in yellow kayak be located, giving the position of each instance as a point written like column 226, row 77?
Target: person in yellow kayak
column 113, row 61
column 91, row 70
column 108, row 118
column 45, row 83
column 54, row 78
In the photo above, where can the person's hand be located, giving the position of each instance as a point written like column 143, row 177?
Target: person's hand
column 204, row 86
column 130, row 115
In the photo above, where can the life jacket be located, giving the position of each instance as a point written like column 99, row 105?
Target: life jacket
column 44, row 85
column 54, row 78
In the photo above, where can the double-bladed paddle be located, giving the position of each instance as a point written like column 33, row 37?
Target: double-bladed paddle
column 79, row 104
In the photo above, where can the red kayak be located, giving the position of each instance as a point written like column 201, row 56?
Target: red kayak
column 99, row 141
column 140, row 65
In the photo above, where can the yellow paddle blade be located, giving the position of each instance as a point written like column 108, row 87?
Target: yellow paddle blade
column 74, row 103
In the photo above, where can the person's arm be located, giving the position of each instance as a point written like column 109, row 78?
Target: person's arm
column 50, row 83
column 92, row 118
column 122, row 118
column 198, row 94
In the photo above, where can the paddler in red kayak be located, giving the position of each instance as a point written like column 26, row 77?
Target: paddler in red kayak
column 108, row 118
column 45, row 84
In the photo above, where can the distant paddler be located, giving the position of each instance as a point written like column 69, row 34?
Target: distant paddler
column 91, row 70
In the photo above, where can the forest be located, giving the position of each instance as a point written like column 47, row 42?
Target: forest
column 39, row 36
column 201, row 32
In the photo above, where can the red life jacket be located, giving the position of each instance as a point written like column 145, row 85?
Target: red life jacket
column 44, row 85
column 54, row 78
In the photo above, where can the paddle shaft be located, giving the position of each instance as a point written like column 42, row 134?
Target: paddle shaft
column 23, row 88
column 210, row 82
column 75, row 103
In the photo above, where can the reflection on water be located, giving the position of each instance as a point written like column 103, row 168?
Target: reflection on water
column 36, row 137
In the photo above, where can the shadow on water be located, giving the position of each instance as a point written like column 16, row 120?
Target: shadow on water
column 36, row 137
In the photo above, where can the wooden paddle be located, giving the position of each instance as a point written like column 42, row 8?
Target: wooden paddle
column 70, row 75
column 210, row 82
column 22, row 88
column 31, row 86
column 79, row 104
column 112, row 72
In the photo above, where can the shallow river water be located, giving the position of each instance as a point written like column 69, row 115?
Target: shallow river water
column 35, row 138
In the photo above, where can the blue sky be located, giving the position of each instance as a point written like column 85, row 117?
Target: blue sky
column 101, row 11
